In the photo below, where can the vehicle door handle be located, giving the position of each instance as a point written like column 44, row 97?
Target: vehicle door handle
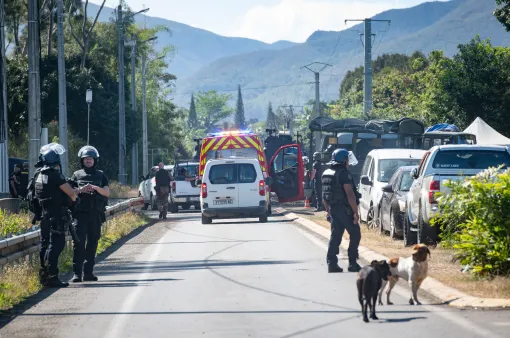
column 230, row 188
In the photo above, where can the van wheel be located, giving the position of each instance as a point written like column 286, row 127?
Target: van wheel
column 263, row 219
column 206, row 220
column 174, row 208
column 410, row 237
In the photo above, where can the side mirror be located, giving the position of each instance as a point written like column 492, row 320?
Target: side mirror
column 269, row 180
column 387, row 188
column 365, row 180
column 414, row 173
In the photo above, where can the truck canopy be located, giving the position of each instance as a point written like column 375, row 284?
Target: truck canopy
column 403, row 126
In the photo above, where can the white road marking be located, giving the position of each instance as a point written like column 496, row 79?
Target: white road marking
column 116, row 327
column 452, row 317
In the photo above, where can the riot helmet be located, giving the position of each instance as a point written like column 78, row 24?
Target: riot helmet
column 50, row 155
column 88, row 151
column 341, row 156
column 316, row 156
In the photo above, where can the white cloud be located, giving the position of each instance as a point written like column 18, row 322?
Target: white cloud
column 295, row 20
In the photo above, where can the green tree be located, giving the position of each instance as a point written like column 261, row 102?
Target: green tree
column 212, row 108
column 503, row 13
column 240, row 120
column 271, row 119
column 192, row 115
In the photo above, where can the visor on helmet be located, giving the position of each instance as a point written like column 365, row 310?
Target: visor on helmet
column 57, row 148
column 352, row 159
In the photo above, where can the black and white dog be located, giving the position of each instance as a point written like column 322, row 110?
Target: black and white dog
column 369, row 282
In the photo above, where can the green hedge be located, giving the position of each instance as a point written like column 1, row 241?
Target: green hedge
column 475, row 220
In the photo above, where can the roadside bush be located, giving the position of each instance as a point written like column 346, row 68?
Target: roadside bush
column 13, row 223
column 475, row 221
column 119, row 191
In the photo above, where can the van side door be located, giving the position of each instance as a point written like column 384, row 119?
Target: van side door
column 288, row 173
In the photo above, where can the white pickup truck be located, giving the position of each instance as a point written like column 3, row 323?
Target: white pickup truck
column 147, row 185
column 184, row 192
column 439, row 165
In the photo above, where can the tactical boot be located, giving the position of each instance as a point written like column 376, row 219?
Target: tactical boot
column 77, row 278
column 43, row 275
column 354, row 267
column 160, row 214
column 90, row 278
column 334, row 268
column 54, row 282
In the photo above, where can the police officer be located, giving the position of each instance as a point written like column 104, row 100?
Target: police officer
column 14, row 182
column 317, row 183
column 23, row 181
column 55, row 196
column 163, row 179
column 341, row 200
column 93, row 191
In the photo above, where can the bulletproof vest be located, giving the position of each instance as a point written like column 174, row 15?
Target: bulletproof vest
column 318, row 174
column 33, row 202
column 50, row 197
column 23, row 184
column 333, row 191
column 90, row 201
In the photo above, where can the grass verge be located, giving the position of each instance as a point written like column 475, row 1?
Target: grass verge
column 441, row 266
column 20, row 280
column 122, row 191
column 13, row 223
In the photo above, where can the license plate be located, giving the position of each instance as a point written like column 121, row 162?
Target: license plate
column 223, row 202
column 194, row 199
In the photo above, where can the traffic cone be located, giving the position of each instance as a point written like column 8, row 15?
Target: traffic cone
column 307, row 203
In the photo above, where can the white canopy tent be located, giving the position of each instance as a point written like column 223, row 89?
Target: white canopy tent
column 485, row 134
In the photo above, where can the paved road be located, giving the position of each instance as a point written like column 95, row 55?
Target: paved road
column 232, row 279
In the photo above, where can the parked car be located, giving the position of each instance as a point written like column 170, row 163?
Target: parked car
column 184, row 192
column 393, row 202
column 379, row 167
column 146, row 187
column 234, row 188
column 440, row 164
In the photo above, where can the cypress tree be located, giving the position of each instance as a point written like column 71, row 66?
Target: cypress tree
column 240, row 120
column 192, row 117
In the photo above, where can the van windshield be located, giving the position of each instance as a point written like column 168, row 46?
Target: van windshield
column 228, row 153
column 471, row 159
column 388, row 167
column 232, row 173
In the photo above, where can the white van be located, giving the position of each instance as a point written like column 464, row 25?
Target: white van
column 234, row 188
column 379, row 167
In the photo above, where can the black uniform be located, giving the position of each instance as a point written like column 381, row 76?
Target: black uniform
column 23, row 183
column 90, row 215
column 54, row 203
column 14, row 178
column 317, row 184
column 341, row 214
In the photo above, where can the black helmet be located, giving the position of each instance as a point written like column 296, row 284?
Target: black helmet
column 88, row 151
column 339, row 156
column 50, row 155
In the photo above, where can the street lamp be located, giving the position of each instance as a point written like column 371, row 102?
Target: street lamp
column 122, row 113
column 134, row 151
column 88, row 98
column 145, row 150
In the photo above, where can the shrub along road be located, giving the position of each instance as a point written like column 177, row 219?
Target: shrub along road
column 241, row 278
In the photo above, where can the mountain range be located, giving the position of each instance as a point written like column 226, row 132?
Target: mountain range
column 272, row 72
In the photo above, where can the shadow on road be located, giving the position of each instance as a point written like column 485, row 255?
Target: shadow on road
column 227, row 222
column 401, row 320
column 191, row 242
column 168, row 266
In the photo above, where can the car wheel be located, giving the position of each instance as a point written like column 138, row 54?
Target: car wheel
column 393, row 230
column 206, row 220
column 380, row 222
column 263, row 219
column 269, row 210
column 371, row 220
column 410, row 237
column 153, row 203
column 426, row 233
column 174, row 208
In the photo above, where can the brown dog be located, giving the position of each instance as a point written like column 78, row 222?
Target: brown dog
column 413, row 269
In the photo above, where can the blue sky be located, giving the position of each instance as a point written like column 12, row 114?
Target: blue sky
column 265, row 20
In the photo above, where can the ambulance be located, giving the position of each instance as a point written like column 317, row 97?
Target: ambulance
column 286, row 167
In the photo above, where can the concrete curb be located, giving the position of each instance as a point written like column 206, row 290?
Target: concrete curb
column 444, row 293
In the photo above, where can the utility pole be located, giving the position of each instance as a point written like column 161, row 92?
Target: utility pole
column 134, row 149
column 368, row 72
column 122, row 98
column 122, row 113
column 317, row 99
column 62, row 99
column 34, row 103
column 4, row 134
column 145, row 150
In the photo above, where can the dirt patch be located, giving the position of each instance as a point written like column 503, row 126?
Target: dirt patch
column 441, row 266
